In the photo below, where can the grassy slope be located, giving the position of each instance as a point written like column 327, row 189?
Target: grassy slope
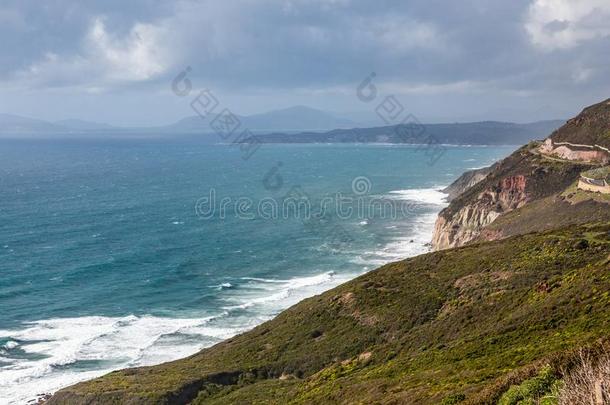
column 569, row 207
column 590, row 127
column 467, row 321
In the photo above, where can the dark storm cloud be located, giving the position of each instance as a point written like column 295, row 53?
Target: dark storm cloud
column 517, row 47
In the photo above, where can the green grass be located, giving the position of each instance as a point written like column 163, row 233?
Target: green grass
column 457, row 326
column 539, row 390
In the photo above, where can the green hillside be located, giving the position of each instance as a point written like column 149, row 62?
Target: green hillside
column 456, row 326
column 590, row 127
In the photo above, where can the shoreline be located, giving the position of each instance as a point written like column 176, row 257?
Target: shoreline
column 306, row 287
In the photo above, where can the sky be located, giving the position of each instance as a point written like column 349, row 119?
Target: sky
column 114, row 60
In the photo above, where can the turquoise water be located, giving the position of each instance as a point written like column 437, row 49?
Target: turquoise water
column 109, row 258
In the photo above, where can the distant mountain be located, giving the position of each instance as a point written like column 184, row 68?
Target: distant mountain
column 80, row 125
column 16, row 125
column 299, row 118
column 293, row 125
column 473, row 133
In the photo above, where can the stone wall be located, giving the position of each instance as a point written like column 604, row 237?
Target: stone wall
column 583, row 185
column 582, row 153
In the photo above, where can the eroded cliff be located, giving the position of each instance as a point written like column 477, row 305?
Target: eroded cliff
column 534, row 172
column 467, row 222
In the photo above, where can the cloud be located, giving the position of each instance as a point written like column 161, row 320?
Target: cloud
column 564, row 24
column 311, row 51
column 104, row 59
column 141, row 55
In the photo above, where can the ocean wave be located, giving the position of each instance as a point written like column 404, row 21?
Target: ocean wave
column 223, row 286
column 265, row 297
column 49, row 347
column 432, row 196
column 11, row 344
column 413, row 241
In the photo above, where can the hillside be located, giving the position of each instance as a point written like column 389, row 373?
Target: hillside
column 531, row 186
column 473, row 133
column 459, row 325
column 590, row 127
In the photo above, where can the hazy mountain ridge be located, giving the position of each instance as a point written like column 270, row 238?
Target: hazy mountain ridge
column 298, row 118
column 81, row 125
column 292, row 125
column 472, row 133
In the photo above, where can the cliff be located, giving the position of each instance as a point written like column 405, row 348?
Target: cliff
column 466, row 181
column 514, row 182
column 533, row 173
column 461, row 325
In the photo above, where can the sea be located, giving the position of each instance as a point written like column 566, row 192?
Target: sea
column 123, row 253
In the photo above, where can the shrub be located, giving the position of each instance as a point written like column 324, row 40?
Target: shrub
column 536, row 390
column 453, row 399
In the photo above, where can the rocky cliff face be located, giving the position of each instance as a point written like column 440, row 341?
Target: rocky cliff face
column 466, row 181
column 532, row 173
column 467, row 222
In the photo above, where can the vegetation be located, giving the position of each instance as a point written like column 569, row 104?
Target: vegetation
column 542, row 389
column 590, row 127
column 571, row 207
column 488, row 322
column 600, row 173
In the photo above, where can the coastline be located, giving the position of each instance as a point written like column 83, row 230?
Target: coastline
column 284, row 293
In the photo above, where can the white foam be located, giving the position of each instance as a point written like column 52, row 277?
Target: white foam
column 412, row 241
column 10, row 345
column 114, row 342
column 267, row 297
column 222, row 286
column 433, row 196
column 120, row 342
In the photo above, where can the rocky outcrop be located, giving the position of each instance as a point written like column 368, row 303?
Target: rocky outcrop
column 466, row 181
column 531, row 174
column 466, row 223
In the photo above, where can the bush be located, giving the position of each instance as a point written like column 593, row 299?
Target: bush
column 535, row 391
column 453, row 399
